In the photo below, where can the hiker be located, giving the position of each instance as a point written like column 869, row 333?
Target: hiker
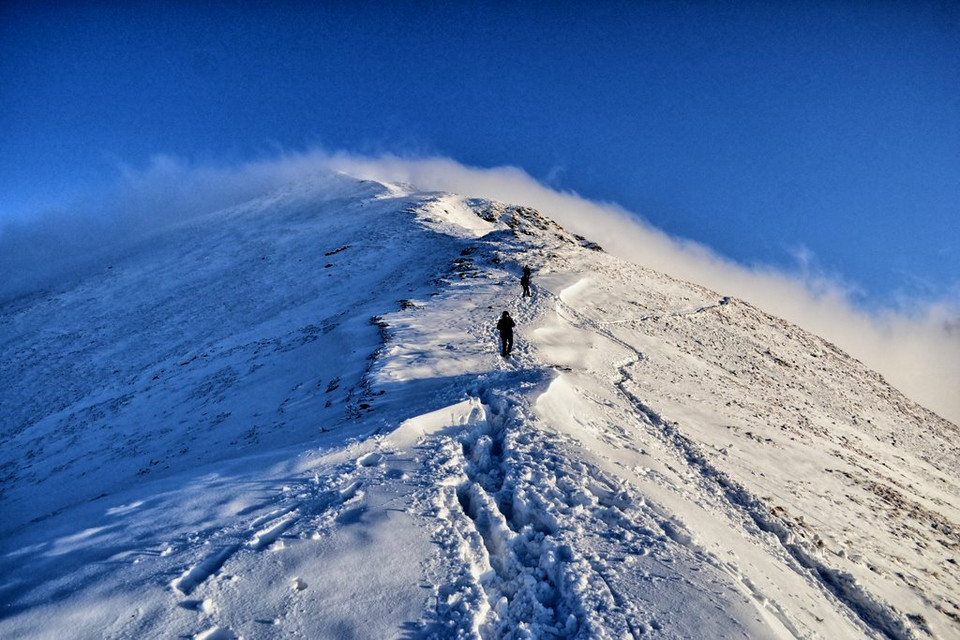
column 525, row 281
column 505, row 327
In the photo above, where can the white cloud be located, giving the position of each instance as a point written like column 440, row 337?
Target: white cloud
column 917, row 352
column 45, row 249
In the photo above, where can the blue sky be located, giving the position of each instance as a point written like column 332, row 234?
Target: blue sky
column 808, row 136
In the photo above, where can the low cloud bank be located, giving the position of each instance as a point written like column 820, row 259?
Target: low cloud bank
column 55, row 246
column 918, row 352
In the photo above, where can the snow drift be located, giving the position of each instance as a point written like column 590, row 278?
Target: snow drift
column 289, row 418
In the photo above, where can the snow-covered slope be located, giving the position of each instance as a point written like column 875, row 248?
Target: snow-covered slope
column 290, row 419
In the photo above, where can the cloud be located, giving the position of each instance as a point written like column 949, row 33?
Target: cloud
column 918, row 352
column 53, row 246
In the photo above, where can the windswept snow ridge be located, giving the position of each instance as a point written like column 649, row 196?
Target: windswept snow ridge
column 290, row 419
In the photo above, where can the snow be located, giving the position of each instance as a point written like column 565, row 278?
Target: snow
column 290, row 419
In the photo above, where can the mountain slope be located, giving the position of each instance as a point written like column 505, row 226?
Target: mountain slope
column 290, row 418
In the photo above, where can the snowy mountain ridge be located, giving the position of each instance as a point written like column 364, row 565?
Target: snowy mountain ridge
column 290, row 419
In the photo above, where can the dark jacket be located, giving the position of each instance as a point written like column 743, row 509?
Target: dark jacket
column 506, row 325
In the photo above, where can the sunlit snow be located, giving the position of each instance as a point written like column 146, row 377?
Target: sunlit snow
column 290, row 419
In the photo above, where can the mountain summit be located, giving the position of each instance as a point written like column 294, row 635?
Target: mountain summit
column 291, row 419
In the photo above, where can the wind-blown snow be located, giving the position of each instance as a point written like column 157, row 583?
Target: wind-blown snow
column 290, row 418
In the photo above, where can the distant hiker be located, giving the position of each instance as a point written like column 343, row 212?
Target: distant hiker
column 525, row 281
column 505, row 327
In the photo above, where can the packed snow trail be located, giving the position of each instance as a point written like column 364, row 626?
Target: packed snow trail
column 532, row 511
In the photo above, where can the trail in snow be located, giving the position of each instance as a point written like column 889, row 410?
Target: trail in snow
column 874, row 614
column 540, row 527
column 805, row 556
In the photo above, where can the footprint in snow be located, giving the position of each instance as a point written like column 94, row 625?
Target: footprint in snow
column 371, row 459
column 216, row 633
